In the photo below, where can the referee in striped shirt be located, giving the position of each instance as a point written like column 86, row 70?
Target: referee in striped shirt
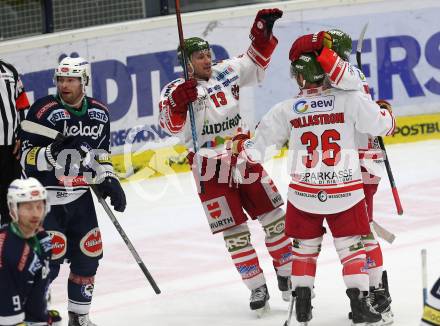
column 13, row 107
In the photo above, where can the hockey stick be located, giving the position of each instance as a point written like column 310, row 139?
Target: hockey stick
column 36, row 128
column 384, row 233
column 379, row 138
column 190, row 105
column 424, row 275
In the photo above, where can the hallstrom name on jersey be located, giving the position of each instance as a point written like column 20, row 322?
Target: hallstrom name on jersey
column 318, row 119
column 90, row 131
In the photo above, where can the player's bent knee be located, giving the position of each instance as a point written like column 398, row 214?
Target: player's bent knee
column 237, row 238
column 274, row 222
column 349, row 248
column 307, row 247
column 84, row 269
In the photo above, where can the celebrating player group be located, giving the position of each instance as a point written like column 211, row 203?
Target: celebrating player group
column 330, row 127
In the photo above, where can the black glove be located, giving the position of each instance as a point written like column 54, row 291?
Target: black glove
column 45, row 243
column 69, row 142
column 110, row 186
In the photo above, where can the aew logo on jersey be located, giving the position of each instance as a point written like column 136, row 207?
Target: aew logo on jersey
column 57, row 115
column 97, row 114
column 90, row 131
column 321, row 104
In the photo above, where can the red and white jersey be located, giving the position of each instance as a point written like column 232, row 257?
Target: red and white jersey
column 343, row 75
column 320, row 125
column 217, row 109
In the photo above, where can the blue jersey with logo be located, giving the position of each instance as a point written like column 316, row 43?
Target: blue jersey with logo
column 24, row 268
column 91, row 124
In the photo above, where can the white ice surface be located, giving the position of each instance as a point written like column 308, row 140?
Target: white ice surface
column 199, row 284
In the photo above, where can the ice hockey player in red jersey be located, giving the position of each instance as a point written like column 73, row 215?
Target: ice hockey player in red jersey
column 214, row 91
column 25, row 250
column 320, row 125
column 431, row 310
column 334, row 48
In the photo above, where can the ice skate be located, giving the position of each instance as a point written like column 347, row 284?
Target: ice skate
column 381, row 300
column 303, row 305
column 259, row 300
column 285, row 286
column 363, row 313
column 79, row 320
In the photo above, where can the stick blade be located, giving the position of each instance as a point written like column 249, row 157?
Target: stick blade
column 361, row 39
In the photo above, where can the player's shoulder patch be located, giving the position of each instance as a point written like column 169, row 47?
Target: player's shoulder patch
column 43, row 106
column 94, row 102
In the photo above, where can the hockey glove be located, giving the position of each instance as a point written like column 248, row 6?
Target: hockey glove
column 110, row 187
column 45, row 243
column 385, row 105
column 70, row 143
column 310, row 43
column 183, row 95
column 261, row 30
column 238, row 141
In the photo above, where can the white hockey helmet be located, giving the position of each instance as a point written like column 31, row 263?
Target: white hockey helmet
column 25, row 190
column 74, row 67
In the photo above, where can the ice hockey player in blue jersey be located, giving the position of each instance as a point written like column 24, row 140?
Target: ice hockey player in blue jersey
column 67, row 167
column 431, row 310
column 25, row 251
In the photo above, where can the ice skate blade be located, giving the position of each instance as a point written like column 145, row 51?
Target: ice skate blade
column 286, row 295
column 387, row 318
column 379, row 323
column 262, row 311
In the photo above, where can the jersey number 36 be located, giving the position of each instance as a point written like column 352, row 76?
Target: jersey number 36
column 329, row 148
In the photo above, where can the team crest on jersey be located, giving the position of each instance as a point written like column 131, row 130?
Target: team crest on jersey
column 235, row 89
column 97, row 114
column 57, row 115
column 91, row 243
column 311, row 105
column 219, row 214
column 59, row 244
column 322, row 196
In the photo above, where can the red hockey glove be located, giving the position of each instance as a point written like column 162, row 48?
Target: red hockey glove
column 237, row 145
column 263, row 42
column 310, row 43
column 183, row 95
column 385, row 105
column 262, row 28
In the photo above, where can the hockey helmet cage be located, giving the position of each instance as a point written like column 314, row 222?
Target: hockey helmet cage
column 308, row 67
column 342, row 43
